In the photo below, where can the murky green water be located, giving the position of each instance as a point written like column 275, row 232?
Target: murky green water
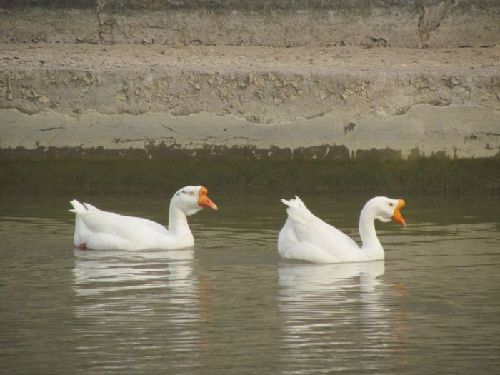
column 232, row 306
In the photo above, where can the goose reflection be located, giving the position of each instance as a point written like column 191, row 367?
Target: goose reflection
column 98, row 272
column 295, row 277
column 330, row 309
column 138, row 304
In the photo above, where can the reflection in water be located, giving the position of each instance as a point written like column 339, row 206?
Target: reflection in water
column 138, row 304
column 327, row 309
column 98, row 272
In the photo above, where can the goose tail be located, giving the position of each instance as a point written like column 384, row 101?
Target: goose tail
column 78, row 208
column 81, row 208
column 295, row 205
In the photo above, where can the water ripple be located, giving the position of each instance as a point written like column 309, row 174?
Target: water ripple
column 231, row 305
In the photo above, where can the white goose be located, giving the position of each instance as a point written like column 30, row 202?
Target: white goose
column 102, row 230
column 306, row 237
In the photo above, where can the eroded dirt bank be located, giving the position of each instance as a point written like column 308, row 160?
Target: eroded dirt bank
column 412, row 102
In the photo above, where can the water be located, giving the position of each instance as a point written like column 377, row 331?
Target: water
column 232, row 306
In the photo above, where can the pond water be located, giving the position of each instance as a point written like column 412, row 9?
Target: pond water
column 230, row 305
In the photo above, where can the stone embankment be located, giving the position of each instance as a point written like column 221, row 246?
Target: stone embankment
column 274, row 80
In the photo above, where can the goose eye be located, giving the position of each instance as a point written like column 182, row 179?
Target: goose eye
column 391, row 204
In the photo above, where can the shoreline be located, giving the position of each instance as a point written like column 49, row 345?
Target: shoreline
column 415, row 102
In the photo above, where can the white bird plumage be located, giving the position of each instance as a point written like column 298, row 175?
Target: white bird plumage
column 306, row 237
column 103, row 230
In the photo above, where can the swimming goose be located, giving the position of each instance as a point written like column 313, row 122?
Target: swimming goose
column 306, row 237
column 102, row 230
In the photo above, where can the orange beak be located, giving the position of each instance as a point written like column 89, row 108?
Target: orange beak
column 397, row 217
column 204, row 200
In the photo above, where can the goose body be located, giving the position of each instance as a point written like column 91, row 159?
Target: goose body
column 102, row 230
column 306, row 237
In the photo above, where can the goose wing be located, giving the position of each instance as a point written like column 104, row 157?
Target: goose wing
column 108, row 229
column 302, row 226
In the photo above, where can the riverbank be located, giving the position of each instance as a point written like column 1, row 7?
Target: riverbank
column 404, row 103
column 306, row 95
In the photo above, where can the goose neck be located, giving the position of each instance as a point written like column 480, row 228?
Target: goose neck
column 367, row 230
column 177, row 220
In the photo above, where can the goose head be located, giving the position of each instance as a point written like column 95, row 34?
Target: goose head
column 191, row 199
column 387, row 209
